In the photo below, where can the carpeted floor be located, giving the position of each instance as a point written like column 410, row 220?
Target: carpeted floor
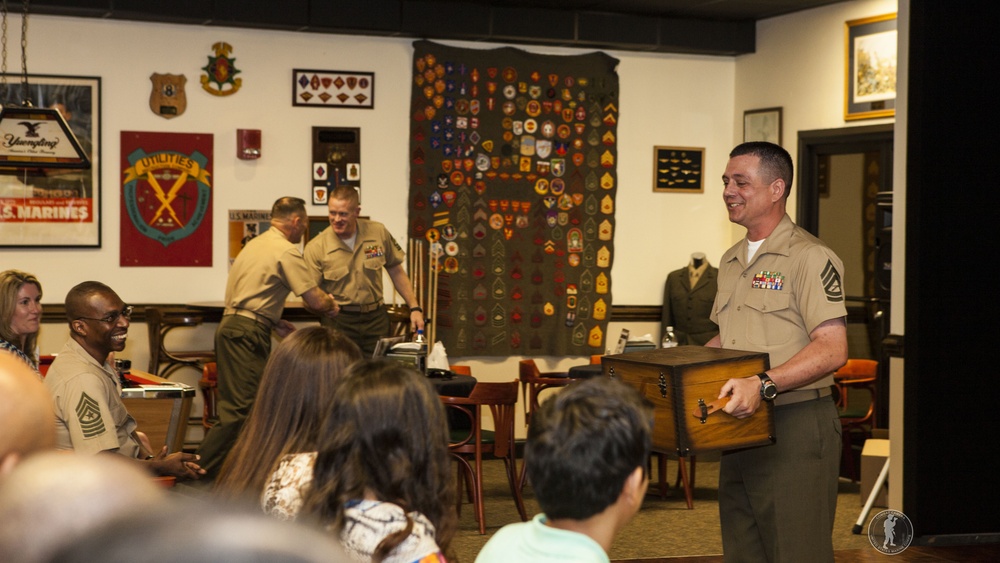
column 663, row 528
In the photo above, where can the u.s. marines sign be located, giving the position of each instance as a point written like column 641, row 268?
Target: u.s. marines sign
column 166, row 199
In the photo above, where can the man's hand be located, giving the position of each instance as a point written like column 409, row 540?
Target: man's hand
column 416, row 320
column 744, row 396
column 284, row 328
column 335, row 310
column 178, row 464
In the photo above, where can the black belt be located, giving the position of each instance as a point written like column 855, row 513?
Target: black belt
column 367, row 308
column 250, row 315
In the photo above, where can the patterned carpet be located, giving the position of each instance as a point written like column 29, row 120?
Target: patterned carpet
column 663, row 528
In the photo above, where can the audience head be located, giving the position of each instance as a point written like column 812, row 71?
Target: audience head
column 296, row 391
column 26, row 416
column 98, row 318
column 584, row 444
column 55, row 498
column 20, row 309
column 202, row 533
column 385, row 436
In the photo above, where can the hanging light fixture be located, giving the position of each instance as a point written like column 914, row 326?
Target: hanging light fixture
column 33, row 137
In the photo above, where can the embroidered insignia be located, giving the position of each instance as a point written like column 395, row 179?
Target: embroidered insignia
column 151, row 208
column 221, row 71
column 88, row 412
column 168, row 99
column 831, row 283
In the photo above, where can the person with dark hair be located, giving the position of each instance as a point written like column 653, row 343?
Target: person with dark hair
column 86, row 390
column 382, row 481
column 296, row 392
column 586, row 457
column 260, row 279
column 20, row 315
column 347, row 260
column 780, row 292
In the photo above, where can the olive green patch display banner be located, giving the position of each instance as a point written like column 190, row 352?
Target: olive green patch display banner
column 512, row 193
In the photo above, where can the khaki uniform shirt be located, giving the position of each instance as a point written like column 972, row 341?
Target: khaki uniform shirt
column 353, row 277
column 264, row 272
column 87, row 396
column 772, row 304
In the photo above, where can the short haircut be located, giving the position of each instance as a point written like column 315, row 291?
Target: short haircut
column 11, row 282
column 76, row 299
column 584, row 443
column 287, row 206
column 346, row 193
column 774, row 160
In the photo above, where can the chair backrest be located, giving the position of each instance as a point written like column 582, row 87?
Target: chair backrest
column 154, row 318
column 461, row 370
column 501, row 398
column 528, row 370
column 858, row 368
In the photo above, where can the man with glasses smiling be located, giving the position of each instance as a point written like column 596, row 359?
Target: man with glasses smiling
column 85, row 389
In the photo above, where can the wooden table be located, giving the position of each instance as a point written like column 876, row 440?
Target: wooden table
column 160, row 407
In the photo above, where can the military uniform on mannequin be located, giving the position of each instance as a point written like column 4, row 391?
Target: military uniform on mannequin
column 687, row 301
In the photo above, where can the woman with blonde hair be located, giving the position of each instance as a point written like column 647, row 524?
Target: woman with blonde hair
column 20, row 315
column 381, row 481
column 296, row 392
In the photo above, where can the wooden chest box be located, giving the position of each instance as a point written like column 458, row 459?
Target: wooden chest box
column 683, row 384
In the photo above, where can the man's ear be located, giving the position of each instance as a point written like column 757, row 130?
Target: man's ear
column 778, row 189
column 78, row 327
column 635, row 487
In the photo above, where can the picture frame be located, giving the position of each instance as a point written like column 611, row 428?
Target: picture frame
column 333, row 88
column 678, row 169
column 870, row 67
column 54, row 207
column 762, row 125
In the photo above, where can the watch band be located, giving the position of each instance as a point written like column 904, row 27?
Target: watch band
column 417, row 309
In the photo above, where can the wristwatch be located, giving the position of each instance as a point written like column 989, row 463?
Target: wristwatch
column 768, row 390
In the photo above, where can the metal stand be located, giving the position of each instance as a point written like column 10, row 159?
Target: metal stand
column 871, row 497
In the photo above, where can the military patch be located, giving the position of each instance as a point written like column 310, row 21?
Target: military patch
column 831, row 283
column 221, row 71
column 168, row 99
column 88, row 413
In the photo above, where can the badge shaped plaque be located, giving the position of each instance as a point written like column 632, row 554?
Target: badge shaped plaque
column 168, row 98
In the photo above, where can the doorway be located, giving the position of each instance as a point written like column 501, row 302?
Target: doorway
column 845, row 198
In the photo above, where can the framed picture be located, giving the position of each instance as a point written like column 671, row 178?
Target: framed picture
column 870, row 63
column 55, row 207
column 762, row 125
column 333, row 88
column 678, row 169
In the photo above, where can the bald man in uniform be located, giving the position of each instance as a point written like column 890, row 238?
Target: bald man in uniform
column 25, row 413
column 268, row 268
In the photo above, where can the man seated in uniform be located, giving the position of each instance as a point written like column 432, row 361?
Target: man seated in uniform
column 86, row 391
column 586, row 457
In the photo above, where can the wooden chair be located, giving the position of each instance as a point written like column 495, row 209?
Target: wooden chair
column 158, row 325
column 474, row 442
column 533, row 382
column 209, row 384
column 856, row 396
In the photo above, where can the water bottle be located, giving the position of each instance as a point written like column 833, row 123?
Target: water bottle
column 669, row 338
column 422, row 351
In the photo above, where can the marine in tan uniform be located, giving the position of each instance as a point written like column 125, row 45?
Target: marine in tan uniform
column 347, row 259
column 85, row 389
column 267, row 269
column 780, row 292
